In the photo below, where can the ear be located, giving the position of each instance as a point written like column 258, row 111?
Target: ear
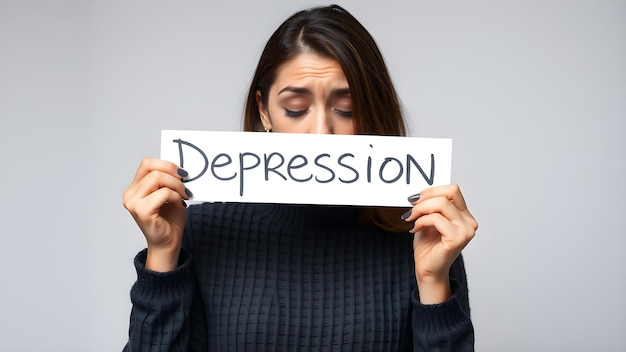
column 265, row 119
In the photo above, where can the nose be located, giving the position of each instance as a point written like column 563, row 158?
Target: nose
column 321, row 123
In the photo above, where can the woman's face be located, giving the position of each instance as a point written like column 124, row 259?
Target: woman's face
column 310, row 95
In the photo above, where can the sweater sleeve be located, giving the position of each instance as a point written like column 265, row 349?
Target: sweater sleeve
column 161, row 304
column 446, row 326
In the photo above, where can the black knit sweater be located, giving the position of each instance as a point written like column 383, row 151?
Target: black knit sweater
column 259, row 277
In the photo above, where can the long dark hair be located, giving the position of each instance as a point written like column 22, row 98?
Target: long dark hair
column 333, row 32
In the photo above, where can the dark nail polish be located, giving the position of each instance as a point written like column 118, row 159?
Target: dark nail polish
column 414, row 198
column 184, row 203
column 406, row 215
column 411, row 227
column 182, row 173
column 188, row 192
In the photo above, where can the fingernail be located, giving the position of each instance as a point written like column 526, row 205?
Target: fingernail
column 188, row 192
column 182, row 173
column 411, row 227
column 414, row 198
column 184, row 203
column 405, row 215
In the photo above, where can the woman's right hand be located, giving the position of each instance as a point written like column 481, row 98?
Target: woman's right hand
column 155, row 199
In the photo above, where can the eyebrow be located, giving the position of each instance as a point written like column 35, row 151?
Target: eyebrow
column 306, row 91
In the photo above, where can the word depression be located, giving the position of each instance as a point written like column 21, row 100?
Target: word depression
column 321, row 168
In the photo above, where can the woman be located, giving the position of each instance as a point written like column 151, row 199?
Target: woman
column 229, row 276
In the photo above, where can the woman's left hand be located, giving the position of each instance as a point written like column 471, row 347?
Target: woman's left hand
column 443, row 226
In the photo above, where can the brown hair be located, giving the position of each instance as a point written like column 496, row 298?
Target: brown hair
column 333, row 32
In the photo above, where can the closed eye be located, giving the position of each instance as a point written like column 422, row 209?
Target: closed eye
column 344, row 113
column 296, row 113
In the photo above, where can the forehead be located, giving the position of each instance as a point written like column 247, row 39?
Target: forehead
column 310, row 68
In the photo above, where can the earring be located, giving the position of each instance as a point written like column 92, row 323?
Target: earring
column 268, row 130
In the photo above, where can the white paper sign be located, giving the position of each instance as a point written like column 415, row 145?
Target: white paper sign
column 264, row 167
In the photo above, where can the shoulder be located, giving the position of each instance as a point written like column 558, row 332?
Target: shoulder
column 200, row 215
column 221, row 209
column 209, row 221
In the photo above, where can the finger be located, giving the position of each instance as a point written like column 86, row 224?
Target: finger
column 148, row 208
column 452, row 235
column 436, row 220
column 148, row 165
column 156, row 180
column 451, row 192
column 164, row 196
column 440, row 205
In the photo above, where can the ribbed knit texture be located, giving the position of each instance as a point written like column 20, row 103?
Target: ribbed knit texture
column 258, row 277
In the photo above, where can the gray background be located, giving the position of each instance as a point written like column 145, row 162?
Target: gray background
column 532, row 92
